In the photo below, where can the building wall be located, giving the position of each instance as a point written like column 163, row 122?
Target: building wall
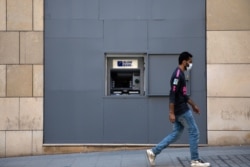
column 21, row 76
column 80, row 36
column 228, row 71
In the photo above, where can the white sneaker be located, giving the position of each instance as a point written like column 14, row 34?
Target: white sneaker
column 151, row 157
column 199, row 163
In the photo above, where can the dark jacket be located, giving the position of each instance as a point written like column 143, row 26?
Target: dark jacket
column 178, row 92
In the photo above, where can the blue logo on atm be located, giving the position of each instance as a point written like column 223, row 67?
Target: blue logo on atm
column 124, row 63
column 119, row 63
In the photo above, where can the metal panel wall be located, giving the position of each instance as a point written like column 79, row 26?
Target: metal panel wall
column 78, row 34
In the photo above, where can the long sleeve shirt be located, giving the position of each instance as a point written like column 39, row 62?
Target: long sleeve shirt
column 178, row 92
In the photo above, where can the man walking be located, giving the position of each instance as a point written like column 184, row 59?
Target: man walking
column 180, row 114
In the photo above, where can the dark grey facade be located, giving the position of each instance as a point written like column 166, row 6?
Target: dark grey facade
column 79, row 34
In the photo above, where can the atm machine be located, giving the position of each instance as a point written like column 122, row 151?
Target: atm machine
column 125, row 76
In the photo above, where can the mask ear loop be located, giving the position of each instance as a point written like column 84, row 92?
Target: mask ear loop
column 187, row 64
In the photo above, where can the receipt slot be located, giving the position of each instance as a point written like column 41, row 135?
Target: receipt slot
column 125, row 76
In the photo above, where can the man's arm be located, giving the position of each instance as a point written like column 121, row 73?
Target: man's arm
column 194, row 106
column 175, row 84
column 171, row 113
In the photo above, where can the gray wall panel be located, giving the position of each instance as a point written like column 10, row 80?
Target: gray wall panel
column 80, row 120
column 122, row 36
column 120, row 9
column 178, row 9
column 176, row 29
column 176, row 45
column 79, row 61
column 125, row 120
column 72, row 9
column 158, row 118
column 74, row 28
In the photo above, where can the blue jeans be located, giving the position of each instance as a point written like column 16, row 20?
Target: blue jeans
column 181, row 121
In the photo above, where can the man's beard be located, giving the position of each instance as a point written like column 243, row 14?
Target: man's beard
column 185, row 68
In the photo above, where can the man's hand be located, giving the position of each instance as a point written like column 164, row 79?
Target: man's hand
column 171, row 117
column 196, row 109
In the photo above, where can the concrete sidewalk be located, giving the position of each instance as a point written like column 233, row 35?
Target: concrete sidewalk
column 230, row 156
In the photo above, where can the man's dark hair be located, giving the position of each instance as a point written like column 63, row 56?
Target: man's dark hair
column 184, row 56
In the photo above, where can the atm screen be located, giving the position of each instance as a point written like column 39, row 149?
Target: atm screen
column 123, row 81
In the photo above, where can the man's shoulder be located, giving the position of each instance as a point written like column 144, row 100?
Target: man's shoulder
column 177, row 73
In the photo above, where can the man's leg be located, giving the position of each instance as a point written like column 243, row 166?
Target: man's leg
column 172, row 137
column 193, row 131
column 188, row 120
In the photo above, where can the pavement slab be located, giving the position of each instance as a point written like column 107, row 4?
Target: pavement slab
column 227, row 156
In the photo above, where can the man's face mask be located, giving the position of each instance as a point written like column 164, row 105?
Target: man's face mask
column 189, row 67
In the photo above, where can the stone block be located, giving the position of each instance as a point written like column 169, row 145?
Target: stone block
column 2, row 80
column 222, row 138
column 31, row 47
column 228, row 80
column 38, row 15
column 2, row 15
column 38, row 80
column 18, row 143
column 9, row 48
column 19, row 80
column 37, row 144
column 2, row 144
column 31, row 113
column 228, row 14
column 228, row 46
column 60, row 149
column 9, row 114
column 229, row 114
column 19, row 15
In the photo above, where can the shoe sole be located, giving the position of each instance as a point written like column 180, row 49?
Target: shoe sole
column 200, row 166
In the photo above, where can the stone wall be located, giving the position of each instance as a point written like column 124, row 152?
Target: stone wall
column 21, row 76
column 228, row 71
